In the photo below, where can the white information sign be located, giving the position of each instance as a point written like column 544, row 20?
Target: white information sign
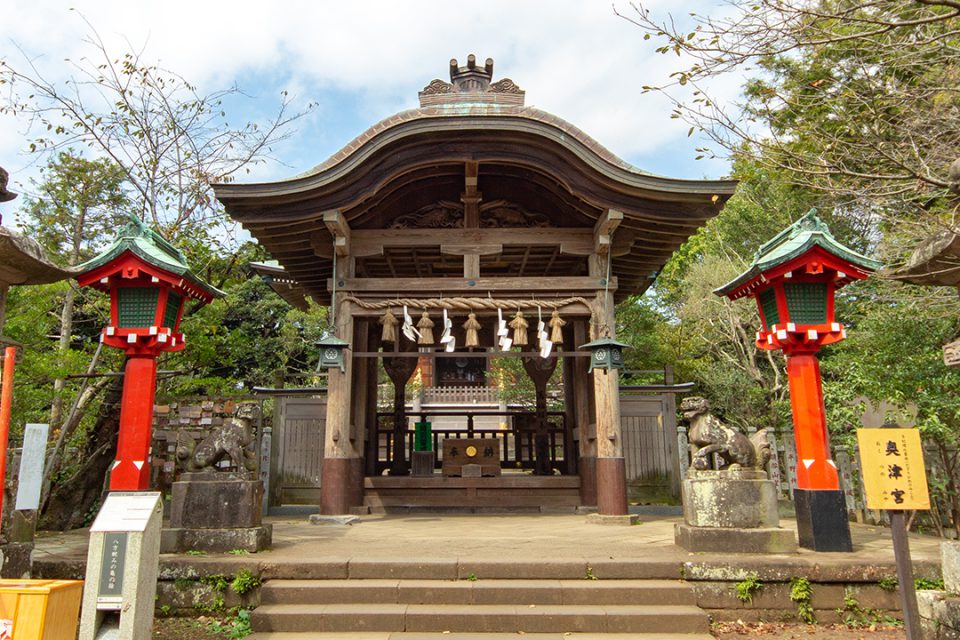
column 30, row 478
column 129, row 511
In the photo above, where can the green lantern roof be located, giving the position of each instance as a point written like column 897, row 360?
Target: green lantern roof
column 152, row 248
column 606, row 341
column 329, row 339
column 804, row 234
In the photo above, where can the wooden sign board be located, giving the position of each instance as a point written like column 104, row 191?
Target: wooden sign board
column 458, row 452
column 894, row 476
column 951, row 354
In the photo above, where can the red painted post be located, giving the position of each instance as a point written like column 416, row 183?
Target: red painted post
column 6, row 402
column 815, row 469
column 131, row 470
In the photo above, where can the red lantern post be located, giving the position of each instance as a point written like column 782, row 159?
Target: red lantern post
column 793, row 279
column 149, row 282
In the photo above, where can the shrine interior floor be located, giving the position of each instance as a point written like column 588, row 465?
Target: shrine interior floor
column 520, row 543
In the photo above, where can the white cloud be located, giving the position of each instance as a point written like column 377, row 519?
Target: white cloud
column 574, row 58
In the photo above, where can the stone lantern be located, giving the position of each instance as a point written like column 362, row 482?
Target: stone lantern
column 793, row 279
column 149, row 282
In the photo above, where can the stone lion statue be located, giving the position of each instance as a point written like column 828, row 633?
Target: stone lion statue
column 711, row 435
column 233, row 440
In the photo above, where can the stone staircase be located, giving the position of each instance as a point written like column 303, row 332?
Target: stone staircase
column 422, row 609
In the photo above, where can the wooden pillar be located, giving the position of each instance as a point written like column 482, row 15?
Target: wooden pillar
column 371, row 436
column 341, row 464
column 611, row 467
column 586, row 427
column 569, row 407
column 358, row 410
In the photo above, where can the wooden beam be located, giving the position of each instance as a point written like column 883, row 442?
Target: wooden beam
column 571, row 240
column 321, row 245
column 339, row 229
column 622, row 244
column 471, row 249
column 471, row 172
column 392, row 286
column 604, row 229
column 471, row 266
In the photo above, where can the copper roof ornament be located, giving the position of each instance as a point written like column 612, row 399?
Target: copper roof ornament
column 471, row 84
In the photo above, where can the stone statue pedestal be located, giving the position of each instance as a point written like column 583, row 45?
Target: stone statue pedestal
column 732, row 511
column 216, row 512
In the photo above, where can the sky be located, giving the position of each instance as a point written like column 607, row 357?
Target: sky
column 362, row 61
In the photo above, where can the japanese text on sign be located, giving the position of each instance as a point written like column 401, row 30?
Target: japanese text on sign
column 894, row 476
column 110, row 592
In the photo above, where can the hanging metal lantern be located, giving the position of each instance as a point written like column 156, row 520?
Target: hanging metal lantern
column 605, row 353
column 332, row 352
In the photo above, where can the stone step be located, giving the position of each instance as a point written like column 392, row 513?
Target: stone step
column 405, row 635
column 452, row 569
column 518, row 592
column 484, row 618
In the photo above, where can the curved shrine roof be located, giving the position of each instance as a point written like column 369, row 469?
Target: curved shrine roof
column 475, row 136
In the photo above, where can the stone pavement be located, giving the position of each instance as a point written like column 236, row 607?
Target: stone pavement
column 526, row 542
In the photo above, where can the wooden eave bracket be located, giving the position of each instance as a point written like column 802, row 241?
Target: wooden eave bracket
column 603, row 231
column 339, row 229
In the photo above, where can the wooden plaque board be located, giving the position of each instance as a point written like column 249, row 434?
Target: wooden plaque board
column 458, row 452
column 894, row 476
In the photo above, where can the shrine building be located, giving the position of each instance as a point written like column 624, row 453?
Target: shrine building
column 442, row 237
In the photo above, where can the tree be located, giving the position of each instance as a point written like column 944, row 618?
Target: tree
column 77, row 204
column 859, row 100
column 170, row 140
column 247, row 338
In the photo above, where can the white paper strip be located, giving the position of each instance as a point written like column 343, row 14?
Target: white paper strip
column 408, row 329
column 545, row 348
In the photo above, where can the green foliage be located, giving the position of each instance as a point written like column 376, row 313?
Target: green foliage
column 217, row 582
column 218, row 585
column 934, row 584
column 590, row 575
column 195, row 552
column 857, row 617
column 472, row 577
column 76, row 207
column 645, row 329
column 888, row 583
column 248, row 338
column 801, row 593
column 747, row 587
column 182, row 584
column 32, row 317
column 237, row 626
column 244, row 582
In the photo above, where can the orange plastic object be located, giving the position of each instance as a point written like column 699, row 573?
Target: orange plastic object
column 42, row 609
